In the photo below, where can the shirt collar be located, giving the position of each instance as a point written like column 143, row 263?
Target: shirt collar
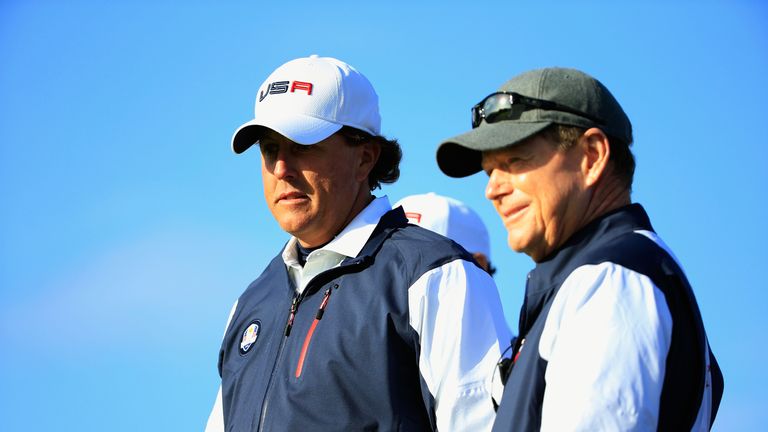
column 350, row 241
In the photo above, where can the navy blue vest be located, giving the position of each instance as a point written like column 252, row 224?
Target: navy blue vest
column 611, row 238
column 348, row 360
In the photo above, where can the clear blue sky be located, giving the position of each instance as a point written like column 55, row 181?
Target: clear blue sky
column 128, row 228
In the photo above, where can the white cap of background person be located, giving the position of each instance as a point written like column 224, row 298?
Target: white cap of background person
column 451, row 218
column 309, row 99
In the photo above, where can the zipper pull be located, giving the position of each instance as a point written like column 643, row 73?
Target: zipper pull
column 519, row 350
column 323, row 304
column 292, row 315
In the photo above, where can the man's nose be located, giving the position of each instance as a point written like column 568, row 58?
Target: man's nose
column 284, row 165
column 493, row 188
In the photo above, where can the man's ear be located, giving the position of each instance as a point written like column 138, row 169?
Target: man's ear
column 597, row 152
column 369, row 155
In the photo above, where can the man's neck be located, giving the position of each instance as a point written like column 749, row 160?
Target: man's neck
column 604, row 198
column 361, row 202
column 607, row 197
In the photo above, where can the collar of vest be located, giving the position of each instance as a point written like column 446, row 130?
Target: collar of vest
column 390, row 222
column 544, row 280
column 549, row 273
column 597, row 232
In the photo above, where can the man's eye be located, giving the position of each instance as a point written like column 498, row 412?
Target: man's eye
column 268, row 149
column 515, row 162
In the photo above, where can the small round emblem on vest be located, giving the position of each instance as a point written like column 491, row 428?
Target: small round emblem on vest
column 249, row 336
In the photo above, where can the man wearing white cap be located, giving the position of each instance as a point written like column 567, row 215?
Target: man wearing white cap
column 362, row 321
column 453, row 219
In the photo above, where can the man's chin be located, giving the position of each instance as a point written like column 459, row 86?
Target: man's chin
column 515, row 242
column 521, row 244
column 293, row 226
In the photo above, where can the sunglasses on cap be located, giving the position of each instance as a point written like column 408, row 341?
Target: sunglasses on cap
column 510, row 106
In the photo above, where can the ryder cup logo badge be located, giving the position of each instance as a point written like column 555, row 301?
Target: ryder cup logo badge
column 249, row 336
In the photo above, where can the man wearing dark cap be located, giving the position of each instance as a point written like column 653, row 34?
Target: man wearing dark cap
column 362, row 321
column 610, row 334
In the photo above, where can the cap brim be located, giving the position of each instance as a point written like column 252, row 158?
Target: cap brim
column 297, row 128
column 461, row 155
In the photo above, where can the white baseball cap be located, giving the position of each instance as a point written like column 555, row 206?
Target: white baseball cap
column 449, row 217
column 309, row 99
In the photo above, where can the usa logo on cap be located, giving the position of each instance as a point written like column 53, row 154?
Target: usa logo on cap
column 249, row 336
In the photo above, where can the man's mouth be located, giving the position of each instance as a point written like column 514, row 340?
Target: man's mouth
column 291, row 197
column 513, row 213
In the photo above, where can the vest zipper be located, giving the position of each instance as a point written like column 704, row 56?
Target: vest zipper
column 297, row 298
column 308, row 338
column 523, row 325
column 292, row 315
column 294, row 307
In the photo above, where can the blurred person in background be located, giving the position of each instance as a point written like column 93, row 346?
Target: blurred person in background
column 453, row 219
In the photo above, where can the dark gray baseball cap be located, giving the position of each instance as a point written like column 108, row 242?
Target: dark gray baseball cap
column 461, row 155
